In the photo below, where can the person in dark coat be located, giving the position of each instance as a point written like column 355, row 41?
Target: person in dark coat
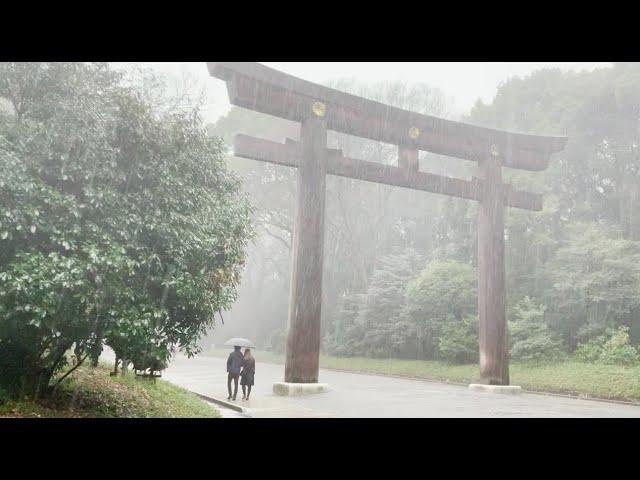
column 247, row 374
column 234, row 365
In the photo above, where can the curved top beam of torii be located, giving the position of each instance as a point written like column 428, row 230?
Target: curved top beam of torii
column 263, row 89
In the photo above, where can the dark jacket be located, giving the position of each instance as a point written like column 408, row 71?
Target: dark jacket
column 235, row 362
column 248, row 371
column 249, row 366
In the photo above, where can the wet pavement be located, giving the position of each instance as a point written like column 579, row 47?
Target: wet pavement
column 355, row 395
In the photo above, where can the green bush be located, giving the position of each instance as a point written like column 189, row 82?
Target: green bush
column 445, row 288
column 4, row 396
column 618, row 350
column 593, row 331
column 612, row 348
column 458, row 341
column 538, row 348
column 531, row 338
column 590, row 351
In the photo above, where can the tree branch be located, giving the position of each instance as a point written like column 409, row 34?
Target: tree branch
column 277, row 237
column 55, row 363
column 55, row 387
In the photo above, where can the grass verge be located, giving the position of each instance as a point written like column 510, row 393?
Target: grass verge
column 92, row 393
column 607, row 382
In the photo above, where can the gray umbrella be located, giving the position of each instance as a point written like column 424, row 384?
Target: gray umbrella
column 240, row 342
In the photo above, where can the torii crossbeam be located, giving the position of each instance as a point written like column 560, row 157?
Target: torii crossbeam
column 318, row 109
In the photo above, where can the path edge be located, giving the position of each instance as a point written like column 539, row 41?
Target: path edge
column 223, row 403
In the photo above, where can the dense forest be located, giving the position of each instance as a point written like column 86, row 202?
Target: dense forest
column 400, row 266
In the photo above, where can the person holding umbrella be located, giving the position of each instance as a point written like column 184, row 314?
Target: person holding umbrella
column 235, row 363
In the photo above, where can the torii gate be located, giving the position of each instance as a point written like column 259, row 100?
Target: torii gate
column 318, row 109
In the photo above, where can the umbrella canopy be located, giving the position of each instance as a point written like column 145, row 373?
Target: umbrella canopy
column 240, row 342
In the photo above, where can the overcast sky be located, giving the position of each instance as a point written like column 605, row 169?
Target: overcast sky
column 464, row 82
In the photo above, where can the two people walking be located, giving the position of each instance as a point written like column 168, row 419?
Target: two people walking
column 242, row 367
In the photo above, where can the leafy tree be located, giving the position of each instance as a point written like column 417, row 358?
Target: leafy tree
column 596, row 281
column 120, row 223
column 381, row 310
column 346, row 334
column 446, row 288
column 531, row 339
column 458, row 340
column 369, row 324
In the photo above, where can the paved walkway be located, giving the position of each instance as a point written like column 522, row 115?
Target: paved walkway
column 356, row 395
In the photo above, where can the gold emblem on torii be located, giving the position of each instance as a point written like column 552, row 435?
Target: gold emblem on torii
column 319, row 109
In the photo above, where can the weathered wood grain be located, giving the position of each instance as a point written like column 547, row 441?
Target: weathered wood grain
column 303, row 341
column 494, row 366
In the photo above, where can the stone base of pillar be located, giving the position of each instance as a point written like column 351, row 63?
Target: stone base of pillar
column 285, row 389
column 505, row 389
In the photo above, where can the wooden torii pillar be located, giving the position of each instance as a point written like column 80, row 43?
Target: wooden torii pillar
column 318, row 109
